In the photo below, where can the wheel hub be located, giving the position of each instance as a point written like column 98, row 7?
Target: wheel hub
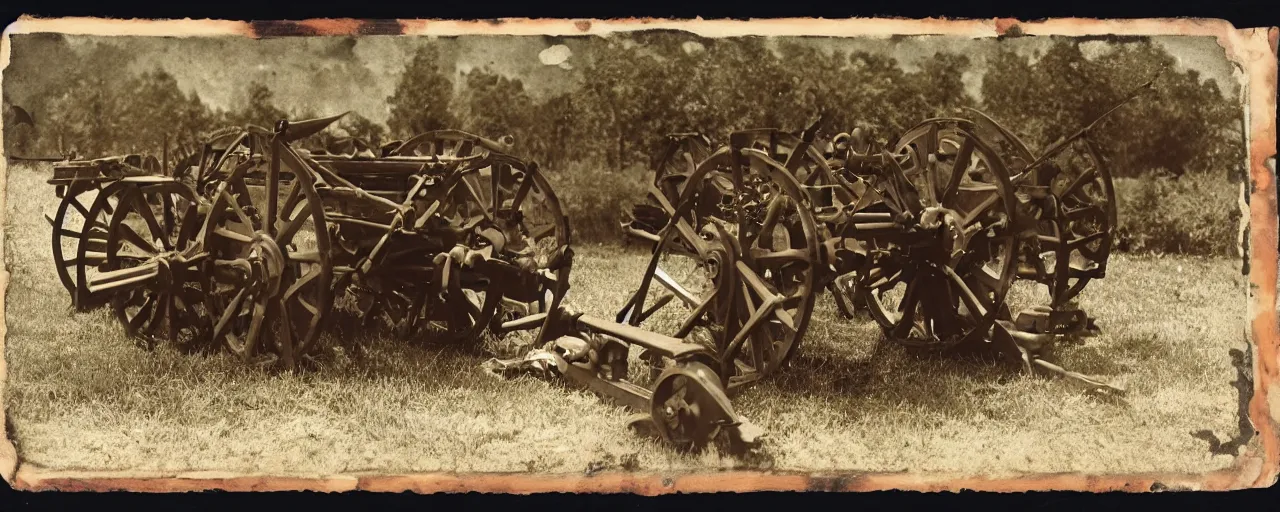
column 266, row 262
column 952, row 238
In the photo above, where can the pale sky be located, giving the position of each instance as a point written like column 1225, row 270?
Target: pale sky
column 333, row 74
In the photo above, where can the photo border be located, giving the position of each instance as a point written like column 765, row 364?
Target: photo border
column 1252, row 50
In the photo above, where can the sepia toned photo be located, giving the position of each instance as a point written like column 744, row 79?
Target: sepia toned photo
column 645, row 256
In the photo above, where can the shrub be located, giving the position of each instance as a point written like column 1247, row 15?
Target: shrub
column 1194, row 214
column 597, row 200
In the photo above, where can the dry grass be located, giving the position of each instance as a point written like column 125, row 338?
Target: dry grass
column 80, row 395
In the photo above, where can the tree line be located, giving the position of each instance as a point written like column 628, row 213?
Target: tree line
column 638, row 88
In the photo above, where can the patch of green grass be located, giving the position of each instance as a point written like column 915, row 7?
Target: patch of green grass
column 81, row 395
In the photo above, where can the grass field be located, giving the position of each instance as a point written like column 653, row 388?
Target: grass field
column 82, row 396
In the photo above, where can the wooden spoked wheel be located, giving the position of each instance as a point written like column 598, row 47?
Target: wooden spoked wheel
column 158, row 295
column 752, row 267
column 504, row 210
column 941, row 279
column 80, row 237
column 196, row 165
column 1081, row 207
column 221, row 155
column 269, row 271
column 833, row 198
column 1070, row 196
column 681, row 406
column 677, row 162
column 827, row 190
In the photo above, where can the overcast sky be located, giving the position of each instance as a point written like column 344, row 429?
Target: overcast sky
column 333, row 74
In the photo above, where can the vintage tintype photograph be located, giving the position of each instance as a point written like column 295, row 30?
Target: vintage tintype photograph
column 563, row 256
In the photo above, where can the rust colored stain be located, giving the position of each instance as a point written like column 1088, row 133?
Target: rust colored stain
column 1255, row 468
column 648, row 484
column 1264, row 261
column 333, row 27
column 280, row 29
column 34, row 480
column 326, row 27
column 1007, row 26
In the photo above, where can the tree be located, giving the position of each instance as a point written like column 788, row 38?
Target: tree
column 153, row 113
column 258, row 109
column 493, row 105
column 421, row 99
column 1185, row 125
column 86, row 119
column 938, row 88
column 81, row 109
column 555, row 135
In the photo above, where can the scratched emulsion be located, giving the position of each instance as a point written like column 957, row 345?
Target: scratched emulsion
column 81, row 397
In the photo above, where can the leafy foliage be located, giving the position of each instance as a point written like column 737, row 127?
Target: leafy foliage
column 1194, row 214
column 422, row 99
column 1184, row 126
column 259, row 108
column 635, row 89
column 485, row 105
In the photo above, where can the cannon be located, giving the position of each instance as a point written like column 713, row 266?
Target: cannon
column 926, row 236
column 245, row 245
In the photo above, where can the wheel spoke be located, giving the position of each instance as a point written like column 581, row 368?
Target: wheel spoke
column 972, row 216
column 758, row 284
column 472, row 188
column 781, row 257
column 770, row 221
column 760, row 346
column 1083, row 211
column 526, row 184
column 148, row 216
column 927, row 158
column 496, row 173
column 878, row 278
column 255, row 327
column 286, row 332
column 907, row 308
column 305, row 256
column 285, row 235
column 232, row 235
column 785, row 317
column 157, row 311
column 975, row 305
column 958, row 169
column 75, row 203
column 228, row 314
column 1080, row 180
column 298, row 284
column 295, row 192
column 235, row 206
column 128, row 234
column 315, row 312
column 680, row 291
column 142, row 315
